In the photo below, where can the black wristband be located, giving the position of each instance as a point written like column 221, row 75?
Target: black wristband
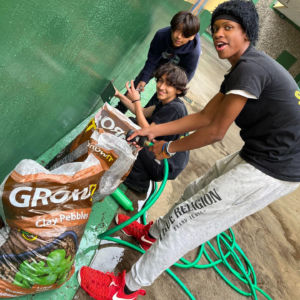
column 135, row 100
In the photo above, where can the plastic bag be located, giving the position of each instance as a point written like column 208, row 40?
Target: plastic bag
column 45, row 214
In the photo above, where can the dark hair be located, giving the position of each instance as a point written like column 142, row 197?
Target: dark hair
column 176, row 77
column 245, row 12
column 190, row 23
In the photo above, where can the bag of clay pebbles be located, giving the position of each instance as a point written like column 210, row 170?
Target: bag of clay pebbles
column 44, row 215
column 107, row 118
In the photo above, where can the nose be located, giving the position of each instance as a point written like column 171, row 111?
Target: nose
column 162, row 86
column 219, row 33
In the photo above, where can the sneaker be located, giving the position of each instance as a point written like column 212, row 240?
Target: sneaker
column 137, row 230
column 105, row 286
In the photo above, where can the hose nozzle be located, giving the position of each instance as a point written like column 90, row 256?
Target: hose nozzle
column 140, row 140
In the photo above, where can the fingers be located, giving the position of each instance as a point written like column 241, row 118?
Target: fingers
column 116, row 91
column 127, row 86
column 133, row 135
column 159, row 156
column 132, row 84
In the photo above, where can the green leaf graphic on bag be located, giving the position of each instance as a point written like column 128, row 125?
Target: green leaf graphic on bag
column 55, row 271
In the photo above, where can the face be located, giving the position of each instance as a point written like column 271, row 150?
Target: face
column 164, row 90
column 178, row 38
column 230, row 39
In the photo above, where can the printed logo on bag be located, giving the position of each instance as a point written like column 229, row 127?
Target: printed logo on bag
column 22, row 200
column 27, row 196
column 112, row 123
column 109, row 155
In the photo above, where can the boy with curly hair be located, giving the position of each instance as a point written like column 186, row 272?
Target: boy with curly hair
column 171, row 83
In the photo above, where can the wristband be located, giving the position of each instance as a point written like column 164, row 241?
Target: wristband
column 165, row 155
column 167, row 149
column 135, row 100
column 164, row 152
column 163, row 147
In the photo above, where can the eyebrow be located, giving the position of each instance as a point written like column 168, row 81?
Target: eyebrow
column 226, row 22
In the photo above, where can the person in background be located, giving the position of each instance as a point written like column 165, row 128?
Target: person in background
column 179, row 44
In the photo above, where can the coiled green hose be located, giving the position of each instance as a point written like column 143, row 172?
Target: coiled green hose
column 228, row 241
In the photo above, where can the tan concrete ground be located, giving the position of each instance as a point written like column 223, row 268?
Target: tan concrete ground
column 269, row 238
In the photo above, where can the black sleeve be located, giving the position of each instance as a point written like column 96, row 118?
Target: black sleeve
column 164, row 115
column 248, row 76
column 222, row 88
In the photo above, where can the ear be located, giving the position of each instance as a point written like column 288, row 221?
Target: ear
column 192, row 37
column 245, row 36
column 178, row 92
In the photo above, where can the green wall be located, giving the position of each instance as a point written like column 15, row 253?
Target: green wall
column 286, row 59
column 297, row 79
column 57, row 56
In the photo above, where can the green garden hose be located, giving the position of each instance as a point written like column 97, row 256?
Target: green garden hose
column 223, row 241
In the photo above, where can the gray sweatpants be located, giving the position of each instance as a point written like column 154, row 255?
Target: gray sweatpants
column 230, row 191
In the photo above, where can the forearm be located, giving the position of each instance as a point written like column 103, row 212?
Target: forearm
column 140, row 117
column 188, row 123
column 202, row 137
column 127, row 102
column 191, row 122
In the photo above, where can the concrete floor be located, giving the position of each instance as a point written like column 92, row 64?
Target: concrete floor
column 269, row 238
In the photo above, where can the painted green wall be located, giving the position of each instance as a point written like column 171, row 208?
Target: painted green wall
column 205, row 18
column 286, row 59
column 57, row 56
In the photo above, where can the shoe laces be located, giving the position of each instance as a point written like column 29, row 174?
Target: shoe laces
column 100, row 283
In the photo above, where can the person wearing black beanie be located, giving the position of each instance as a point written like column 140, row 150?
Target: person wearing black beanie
column 263, row 99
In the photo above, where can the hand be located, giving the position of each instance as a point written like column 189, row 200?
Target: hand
column 141, row 86
column 146, row 131
column 132, row 93
column 116, row 92
column 157, row 149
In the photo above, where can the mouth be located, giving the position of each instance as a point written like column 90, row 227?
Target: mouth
column 177, row 42
column 161, row 93
column 220, row 46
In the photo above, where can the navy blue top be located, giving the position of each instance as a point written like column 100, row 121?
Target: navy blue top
column 161, row 51
column 169, row 112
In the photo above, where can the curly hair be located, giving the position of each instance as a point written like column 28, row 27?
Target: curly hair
column 245, row 12
column 176, row 77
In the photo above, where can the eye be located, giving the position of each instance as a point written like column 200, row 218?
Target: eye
column 215, row 29
column 160, row 80
column 228, row 27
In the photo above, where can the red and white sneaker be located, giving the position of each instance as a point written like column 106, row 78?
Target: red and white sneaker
column 137, row 230
column 105, row 286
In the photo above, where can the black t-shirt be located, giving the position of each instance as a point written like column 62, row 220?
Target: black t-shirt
column 270, row 124
column 171, row 111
